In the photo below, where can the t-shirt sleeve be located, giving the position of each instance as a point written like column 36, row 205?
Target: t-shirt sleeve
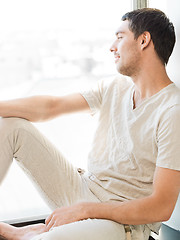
column 102, row 90
column 168, row 139
column 94, row 96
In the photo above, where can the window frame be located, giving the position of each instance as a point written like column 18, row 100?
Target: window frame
column 140, row 4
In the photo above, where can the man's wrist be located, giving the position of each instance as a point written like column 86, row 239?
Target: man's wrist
column 88, row 210
column 96, row 210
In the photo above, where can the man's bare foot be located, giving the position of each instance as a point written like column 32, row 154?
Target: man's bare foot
column 8, row 232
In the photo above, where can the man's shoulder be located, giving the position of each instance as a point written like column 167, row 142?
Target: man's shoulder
column 169, row 104
column 169, row 97
column 119, row 83
column 173, row 96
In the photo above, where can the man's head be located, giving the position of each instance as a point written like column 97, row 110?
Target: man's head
column 158, row 25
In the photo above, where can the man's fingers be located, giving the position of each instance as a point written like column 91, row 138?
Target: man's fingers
column 50, row 225
column 48, row 219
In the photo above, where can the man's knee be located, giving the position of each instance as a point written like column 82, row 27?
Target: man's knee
column 8, row 125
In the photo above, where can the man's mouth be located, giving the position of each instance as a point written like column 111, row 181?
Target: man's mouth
column 117, row 57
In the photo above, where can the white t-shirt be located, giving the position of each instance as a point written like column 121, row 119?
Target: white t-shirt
column 129, row 143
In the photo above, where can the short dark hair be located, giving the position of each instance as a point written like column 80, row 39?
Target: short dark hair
column 158, row 25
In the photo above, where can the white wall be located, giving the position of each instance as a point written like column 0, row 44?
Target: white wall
column 171, row 8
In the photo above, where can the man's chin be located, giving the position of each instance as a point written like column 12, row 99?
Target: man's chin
column 121, row 70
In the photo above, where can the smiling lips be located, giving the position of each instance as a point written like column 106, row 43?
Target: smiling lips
column 116, row 58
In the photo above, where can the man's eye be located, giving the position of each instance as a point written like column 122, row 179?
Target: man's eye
column 119, row 37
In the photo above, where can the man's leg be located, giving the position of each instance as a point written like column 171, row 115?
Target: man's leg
column 56, row 179
column 96, row 229
column 90, row 229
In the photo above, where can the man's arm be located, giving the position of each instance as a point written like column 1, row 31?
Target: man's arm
column 42, row 108
column 157, row 207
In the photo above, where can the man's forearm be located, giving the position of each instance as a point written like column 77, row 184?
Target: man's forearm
column 133, row 212
column 32, row 108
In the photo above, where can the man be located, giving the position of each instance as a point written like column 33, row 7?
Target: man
column 133, row 177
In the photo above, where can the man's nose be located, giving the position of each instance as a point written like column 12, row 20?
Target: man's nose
column 113, row 48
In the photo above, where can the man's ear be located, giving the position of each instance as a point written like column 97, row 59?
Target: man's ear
column 144, row 40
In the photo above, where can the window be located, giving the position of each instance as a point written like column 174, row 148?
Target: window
column 53, row 47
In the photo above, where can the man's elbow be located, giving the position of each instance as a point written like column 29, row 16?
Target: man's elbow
column 167, row 214
column 162, row 209
column 164, row 217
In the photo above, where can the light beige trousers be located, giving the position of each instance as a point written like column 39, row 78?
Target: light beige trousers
column 58, row 182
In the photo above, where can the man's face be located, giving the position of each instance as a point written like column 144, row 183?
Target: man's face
column 126, row 51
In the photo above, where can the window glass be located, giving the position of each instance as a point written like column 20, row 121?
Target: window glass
column 53, row 47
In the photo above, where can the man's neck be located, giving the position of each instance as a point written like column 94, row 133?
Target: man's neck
column 147, row 83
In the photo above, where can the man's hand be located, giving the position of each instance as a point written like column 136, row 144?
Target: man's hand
column 65, row 215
